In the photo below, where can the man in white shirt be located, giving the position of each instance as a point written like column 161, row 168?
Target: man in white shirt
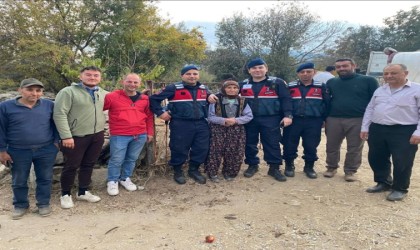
column 326, row 75
column 391, row 125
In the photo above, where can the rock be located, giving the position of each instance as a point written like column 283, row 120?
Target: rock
column 3, row 171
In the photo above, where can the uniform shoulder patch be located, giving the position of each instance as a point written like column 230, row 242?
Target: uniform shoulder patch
column 272, row 78
column 246, row 81
column 318, row 84
column 293, row 84
column 179, row 85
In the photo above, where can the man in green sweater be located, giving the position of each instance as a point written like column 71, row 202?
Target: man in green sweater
column 80, row 121
column 350, row 94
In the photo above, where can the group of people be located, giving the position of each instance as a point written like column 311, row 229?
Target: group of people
column 32, row 130
column 221, row 130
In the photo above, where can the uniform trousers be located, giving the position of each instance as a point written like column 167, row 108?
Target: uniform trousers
column 188, row 139
column 266, row 129
column 307, row 128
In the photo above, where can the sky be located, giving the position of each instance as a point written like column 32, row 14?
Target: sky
column 353, row 12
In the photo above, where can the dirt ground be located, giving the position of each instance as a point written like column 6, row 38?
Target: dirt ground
column 255, row 213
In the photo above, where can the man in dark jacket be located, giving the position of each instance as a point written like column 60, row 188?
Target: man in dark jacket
column 310, row 102
column 271, row 106
column 186, row 114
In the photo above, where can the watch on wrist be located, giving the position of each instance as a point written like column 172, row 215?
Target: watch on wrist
column 290, row 116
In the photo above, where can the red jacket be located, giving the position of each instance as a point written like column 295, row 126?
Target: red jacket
column 126, row 117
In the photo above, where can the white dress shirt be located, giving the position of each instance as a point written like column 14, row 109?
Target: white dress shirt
column 399, row 107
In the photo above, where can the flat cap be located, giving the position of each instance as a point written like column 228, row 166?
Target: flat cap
column 255, row 62
column 303, row 66
column 31, row 82
column 187, row 68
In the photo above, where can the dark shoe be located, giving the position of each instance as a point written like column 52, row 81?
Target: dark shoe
column 228, row 177
column 396, row 196
column 289, row 171
column 380, row 187
column 44, row 211
column 310, row 173
column 179, row 178
column 274, row 172
column 308, row 169
column 214, row 178
column 196, row 175
column 252, row 169
column 18, row 213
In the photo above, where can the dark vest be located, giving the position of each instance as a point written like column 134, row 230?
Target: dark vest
column 311, row 105
column 266, row 102
column 220, row 109
column 189, row 104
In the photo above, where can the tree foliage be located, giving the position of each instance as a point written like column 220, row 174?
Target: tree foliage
column 356, row 43
column 284, row 35
column 403, row 30
column 51, row 40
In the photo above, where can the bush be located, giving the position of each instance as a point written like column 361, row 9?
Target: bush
column 8, row 85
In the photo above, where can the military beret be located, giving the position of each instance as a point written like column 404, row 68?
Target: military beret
column 255, row 62
column 187, row 68
column 303, row 66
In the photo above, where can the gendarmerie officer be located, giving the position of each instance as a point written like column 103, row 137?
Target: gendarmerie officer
column 187, row 113
column 271, row 106
column 310, row 101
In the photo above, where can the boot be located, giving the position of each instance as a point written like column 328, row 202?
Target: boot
column 252, row 169
column 309, row 170
column 276, row 173
column 194, row 173
column 179, row 175
column 289, row 171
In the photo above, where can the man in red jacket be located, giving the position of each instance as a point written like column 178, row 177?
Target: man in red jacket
column 130, row 126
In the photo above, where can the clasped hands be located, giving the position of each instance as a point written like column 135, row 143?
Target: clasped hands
column 230, row 122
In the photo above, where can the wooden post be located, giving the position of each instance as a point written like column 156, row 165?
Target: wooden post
column 151, row 147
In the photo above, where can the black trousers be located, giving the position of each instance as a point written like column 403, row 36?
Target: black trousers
column 386, row 141
column 82, row 159
column 307, row 128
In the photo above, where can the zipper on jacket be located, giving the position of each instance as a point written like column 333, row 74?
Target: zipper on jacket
column 94, row 105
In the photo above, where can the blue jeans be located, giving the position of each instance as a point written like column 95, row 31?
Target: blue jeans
column 43, row 159
column 125, row 151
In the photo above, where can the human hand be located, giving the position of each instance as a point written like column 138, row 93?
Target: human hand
column 230, row 121
column 165, row 116
column 364, row 135
column 5, row 157
column 68, row 143
column 212, row 98
column 286, row 121
column 149, row 138
column 415, row 139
